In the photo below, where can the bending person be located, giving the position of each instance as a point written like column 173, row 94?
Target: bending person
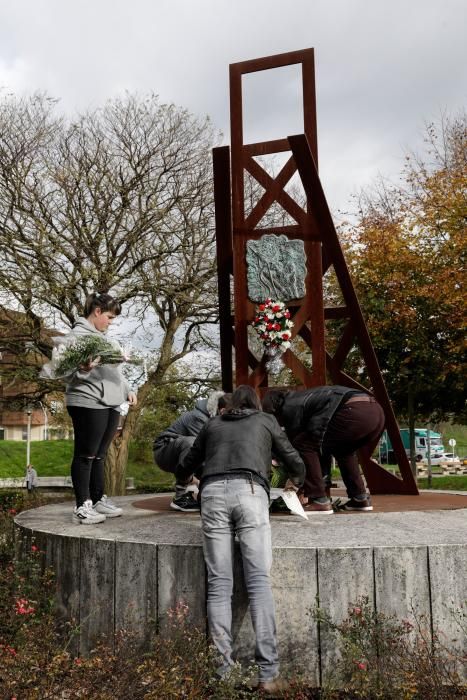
column 232, row 458
column 325, row 421
column 174, row 443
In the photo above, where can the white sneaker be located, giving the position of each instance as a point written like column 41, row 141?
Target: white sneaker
column 193, row 488
column 86, row 515
column 107, row 508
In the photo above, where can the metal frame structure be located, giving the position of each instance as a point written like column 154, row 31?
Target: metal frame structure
column 314, row 226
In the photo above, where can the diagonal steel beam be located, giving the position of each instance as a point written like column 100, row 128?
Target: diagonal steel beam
column 321, row 215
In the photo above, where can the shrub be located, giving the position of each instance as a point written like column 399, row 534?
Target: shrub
column 382, row 658
column 11, row 499
column 35, row 661
column 27, row 627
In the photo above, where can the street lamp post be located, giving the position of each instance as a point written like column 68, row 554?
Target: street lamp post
column 428, row 455
column 28, row 435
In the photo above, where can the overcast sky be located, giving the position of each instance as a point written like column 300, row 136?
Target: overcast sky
column 383, row 67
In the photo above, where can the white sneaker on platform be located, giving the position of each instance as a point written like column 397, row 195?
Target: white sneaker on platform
column 193, row 488
column 86, row 515
column 107, row 508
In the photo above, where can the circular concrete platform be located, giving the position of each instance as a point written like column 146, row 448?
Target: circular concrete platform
column 129, row 571
column 426, row 501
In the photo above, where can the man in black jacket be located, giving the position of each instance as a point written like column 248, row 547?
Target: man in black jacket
column 173, row 444
column 232, row 458
column 325, row 421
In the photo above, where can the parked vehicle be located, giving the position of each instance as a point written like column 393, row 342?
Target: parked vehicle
column 449, row 458
column 421, row 445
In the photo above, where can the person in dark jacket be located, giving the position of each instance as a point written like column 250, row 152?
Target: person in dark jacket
column 173, row 444
column 325, row 421
column 232, row 458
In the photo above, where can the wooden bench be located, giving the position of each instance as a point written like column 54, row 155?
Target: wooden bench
column 447, row 468
column 451, row 468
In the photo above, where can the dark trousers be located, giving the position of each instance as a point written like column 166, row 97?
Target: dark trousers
column 171, row 454
column 94, row 429
column 356, row 425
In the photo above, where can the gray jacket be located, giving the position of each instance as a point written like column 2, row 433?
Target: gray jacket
column 190, row 423
column 31, row 476
column 102, row 387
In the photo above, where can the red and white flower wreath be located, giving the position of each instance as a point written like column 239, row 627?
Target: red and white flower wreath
column 272, row 323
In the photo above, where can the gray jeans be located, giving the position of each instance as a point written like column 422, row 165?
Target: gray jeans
column 236, row 507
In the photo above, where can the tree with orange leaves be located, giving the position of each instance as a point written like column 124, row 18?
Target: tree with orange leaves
column 407, row 255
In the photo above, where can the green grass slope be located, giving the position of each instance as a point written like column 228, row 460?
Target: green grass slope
column 53, row 458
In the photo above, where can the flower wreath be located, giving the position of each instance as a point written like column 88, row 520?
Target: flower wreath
column 272, row 323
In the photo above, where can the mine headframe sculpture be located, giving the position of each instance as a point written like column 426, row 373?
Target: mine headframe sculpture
column 240, row 238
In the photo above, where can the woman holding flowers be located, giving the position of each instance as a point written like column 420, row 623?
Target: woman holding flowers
column 95, row 391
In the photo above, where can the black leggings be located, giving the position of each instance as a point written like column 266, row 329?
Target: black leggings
column 94, row 429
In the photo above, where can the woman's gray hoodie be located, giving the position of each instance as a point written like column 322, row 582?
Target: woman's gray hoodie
column 102, row 387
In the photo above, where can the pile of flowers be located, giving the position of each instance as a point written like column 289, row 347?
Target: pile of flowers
column 272, row 323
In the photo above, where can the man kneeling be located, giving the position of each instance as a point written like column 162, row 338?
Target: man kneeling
column 174, row 443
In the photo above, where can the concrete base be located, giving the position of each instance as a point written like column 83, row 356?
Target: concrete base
column 129, row 571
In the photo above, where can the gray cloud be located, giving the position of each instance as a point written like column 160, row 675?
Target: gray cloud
column 382, row 68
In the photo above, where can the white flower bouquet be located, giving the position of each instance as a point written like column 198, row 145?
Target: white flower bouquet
column 74, row 352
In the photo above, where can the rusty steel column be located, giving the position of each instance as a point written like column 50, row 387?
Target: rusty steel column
column 314, row 226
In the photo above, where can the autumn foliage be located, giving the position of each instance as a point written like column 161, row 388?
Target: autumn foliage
column 407, row 254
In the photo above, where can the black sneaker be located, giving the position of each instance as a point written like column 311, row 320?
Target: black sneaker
column 362, row 506
column 185, row 502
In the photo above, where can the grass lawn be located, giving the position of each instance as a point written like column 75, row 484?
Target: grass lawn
column 456, row 482
column 148, row 477
column 453, row 482
column 50, row 458
column 53, row 458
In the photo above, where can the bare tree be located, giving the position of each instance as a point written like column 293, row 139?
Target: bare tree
column 116, row 200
